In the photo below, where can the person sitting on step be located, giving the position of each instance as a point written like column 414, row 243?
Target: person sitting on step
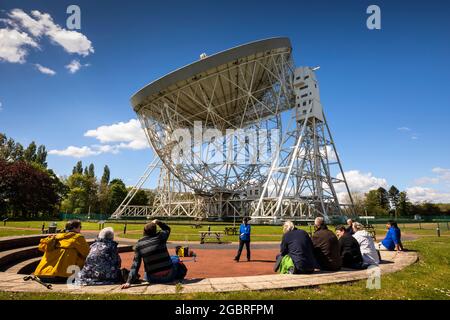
column 392, row 241
column 63, row 253
column 369, row 253
column 152, row 249
column 103, row 263
column 296, row 250
column 326, row 246
column 349, row 249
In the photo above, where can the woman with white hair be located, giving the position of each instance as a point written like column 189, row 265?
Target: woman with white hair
column 296, row 244
column 366, row 245
column 103, row 263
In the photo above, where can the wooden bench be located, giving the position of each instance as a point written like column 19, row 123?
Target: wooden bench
column 210, row 234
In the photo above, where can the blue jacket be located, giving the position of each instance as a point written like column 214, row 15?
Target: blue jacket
column 392, row 238
column 244, row 232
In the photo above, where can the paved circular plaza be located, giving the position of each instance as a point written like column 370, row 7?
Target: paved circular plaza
column 213, row 271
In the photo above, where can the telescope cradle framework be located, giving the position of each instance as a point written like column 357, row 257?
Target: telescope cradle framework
column 250, row 89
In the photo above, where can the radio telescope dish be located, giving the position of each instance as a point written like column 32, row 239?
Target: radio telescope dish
column 217, row 125
column 241, row 88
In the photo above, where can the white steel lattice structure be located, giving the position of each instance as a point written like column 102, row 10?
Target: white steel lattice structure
column 235, row 106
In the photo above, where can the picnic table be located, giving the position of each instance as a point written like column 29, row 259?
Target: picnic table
column 210, row 234
column 196, row 225
column 231, row 231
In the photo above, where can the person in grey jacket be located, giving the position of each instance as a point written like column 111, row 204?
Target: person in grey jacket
column 366, row 245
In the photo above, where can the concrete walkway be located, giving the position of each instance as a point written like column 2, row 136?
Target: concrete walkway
column 392, row 262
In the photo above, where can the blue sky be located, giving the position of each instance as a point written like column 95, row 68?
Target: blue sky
column 385, row 92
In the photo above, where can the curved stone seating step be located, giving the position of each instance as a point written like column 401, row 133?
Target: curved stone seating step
column 392, row 262
column 9, row 243
column 13, row 256
column 24, row 267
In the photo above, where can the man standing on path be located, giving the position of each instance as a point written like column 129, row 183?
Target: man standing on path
column 244, row 238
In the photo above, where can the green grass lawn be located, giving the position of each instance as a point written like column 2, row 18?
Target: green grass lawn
column 12, row 232
column 427, row 279
column 183, row 231
column 180, row 232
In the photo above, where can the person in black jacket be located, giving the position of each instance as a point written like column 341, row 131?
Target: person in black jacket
column 297, row 244
column 349, row 249
column 326, row 246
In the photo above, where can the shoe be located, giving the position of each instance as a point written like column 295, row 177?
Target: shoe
column 248, row 259
column 236, row 259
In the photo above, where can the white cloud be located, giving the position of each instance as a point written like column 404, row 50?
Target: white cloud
column 1, row 106
column 42, row 24
column 358, row 182
column 442, row 177
column 76, row 152
column 14, row 45
column 362, row 182
column 426, row 180
column 75, row 65
column 45, row 70
column 403, row 129
column 113, row 138
column 129, row 134
column 422, row 194
column 443, row 174
column 24, row 31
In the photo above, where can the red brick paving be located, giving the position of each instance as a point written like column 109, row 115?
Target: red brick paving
column 219, row 263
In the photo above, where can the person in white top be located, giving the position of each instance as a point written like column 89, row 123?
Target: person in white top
column 366, row 244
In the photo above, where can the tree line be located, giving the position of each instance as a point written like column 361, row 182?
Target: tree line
column 395, row 203
column 28, row 189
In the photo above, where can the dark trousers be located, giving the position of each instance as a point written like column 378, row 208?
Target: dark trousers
column 241, row 246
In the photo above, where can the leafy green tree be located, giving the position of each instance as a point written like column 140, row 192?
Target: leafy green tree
column 91, row 171
column 41, row 156
column 103, row 194
column 78, row 168
column 81, row 195
column 117, row 192
column 29, row 154
column 373, row 203
column 393, row 195
column 106, row 175
column 403, row 206
column 384, row 198
column 10, row 150
column 140, row 198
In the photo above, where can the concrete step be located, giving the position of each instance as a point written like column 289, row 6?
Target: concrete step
column 9, row 243
column 25, row 267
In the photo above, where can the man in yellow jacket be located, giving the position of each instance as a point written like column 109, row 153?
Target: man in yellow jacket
column 62, row 251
